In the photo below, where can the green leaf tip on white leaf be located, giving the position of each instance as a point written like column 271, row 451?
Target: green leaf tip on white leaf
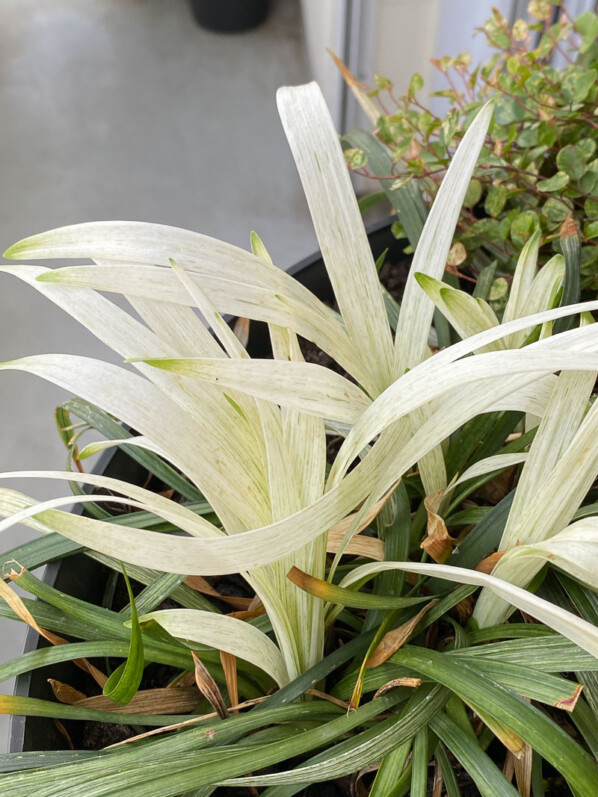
column 16, row 251
column 258, row 248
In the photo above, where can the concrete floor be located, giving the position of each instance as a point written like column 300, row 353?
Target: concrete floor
column 113, row 109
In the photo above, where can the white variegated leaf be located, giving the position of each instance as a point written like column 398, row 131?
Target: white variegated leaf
column 144, row 499
column 302, row 386
column 223, row 633
column 338, row 225
column 491, row 464
column 569, row 625
column 432, row 251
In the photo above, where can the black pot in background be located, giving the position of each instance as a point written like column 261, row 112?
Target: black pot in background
column 82, row 577
column 230, row 16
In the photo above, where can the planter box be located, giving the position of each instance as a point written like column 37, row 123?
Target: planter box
column 230, row 16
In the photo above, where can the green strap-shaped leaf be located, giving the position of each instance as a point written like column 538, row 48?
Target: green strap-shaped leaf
column 113, row 430
column 484, row 772
column 173, row 773
column 34, row 707
column 406, row 200
column 390, row 770
column 545, row 736
column 350, row 597
column 571, row 246
column 124, row 682
column 419, row 764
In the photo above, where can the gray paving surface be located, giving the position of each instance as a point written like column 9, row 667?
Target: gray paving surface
column 113, row 109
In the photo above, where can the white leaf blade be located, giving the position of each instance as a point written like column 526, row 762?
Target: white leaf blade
column 432, row 251
column 339, row 228
column 491, row 464
column 434, row 378
column 301, row 386
column 223, row 633
column 569, row 625
column 145, row 408
column 144, row 499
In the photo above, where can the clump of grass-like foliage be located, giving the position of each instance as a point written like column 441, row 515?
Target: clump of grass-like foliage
column 367, row 649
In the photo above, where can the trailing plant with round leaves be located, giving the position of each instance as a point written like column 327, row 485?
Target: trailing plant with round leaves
column 243, row 443
column 539, row 164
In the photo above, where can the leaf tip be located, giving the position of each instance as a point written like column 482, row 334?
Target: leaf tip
column 569, row 703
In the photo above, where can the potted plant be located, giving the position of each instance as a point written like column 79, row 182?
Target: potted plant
column 538, row 166
column 230, row 16
column 284, row 701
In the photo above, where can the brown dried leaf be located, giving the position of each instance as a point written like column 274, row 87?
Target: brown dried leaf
column 438, row 781
column 411, row 682
column 465, row 608
column 241, row 330
column 488, row 564
column 64, row 733
column 393, row 640
column 367, row 104
column 368, row 547
column 343, row 526
column 493, row 491
column 569, row 228
column 247, row 615
column 199, row 584
column 438, row 544
column 256, row 603
column 325, row 696
column 523, row 771
column 569, row 703
column 229, row 665
column 65, row 693
column 508, row 769
column 209, row 688
column 186, row 723
column 13, row 570
column 165, row 700
column 337, row 533
column 186, row 679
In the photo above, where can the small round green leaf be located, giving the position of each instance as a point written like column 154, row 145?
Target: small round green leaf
column 571, row 160
column 590, row 207
column 355, row 158
column 555, row 211
column 382, row 82
column 587, row 25
column 523, row 226
column 495, row 200
column 498, row 290
column 473, row 193
column 554, row 183
column 415, row 84
column 588, row 147
column 590, row 229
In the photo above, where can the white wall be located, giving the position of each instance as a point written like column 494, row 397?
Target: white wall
column 324, row 24
column 397, row 38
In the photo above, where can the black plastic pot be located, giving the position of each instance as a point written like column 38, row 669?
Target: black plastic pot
column 230, row 16
column 82, row 577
